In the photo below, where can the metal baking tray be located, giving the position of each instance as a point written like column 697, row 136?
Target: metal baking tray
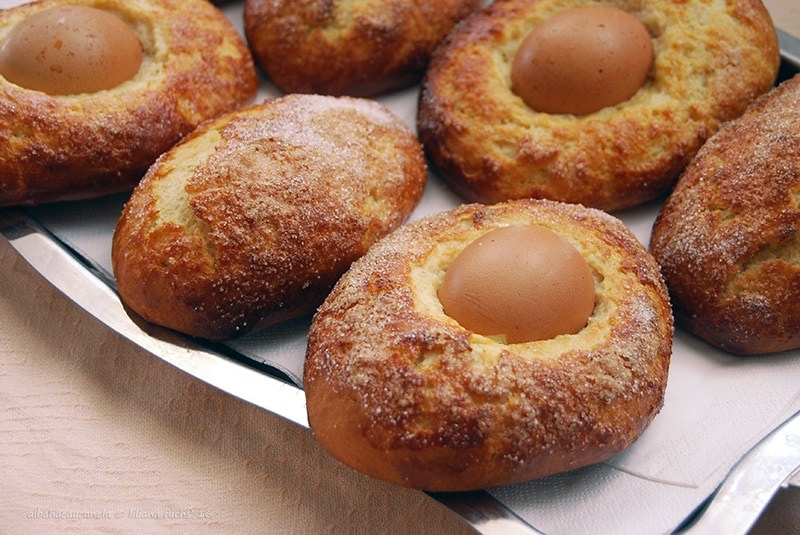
column 69, row 245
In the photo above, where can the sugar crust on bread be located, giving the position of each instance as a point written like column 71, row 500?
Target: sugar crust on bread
column 251, row 219
column 400, row 391
column 728, row 237
column 195, row 66
column 344, row 47
column 712, row 58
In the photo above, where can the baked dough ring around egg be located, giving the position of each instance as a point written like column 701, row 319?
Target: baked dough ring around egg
column 711, row 59
column 400, row 391
column 195, row 66
column 345, row 47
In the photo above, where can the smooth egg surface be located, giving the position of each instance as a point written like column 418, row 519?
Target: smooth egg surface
column 67, row 50
column 523, row 281
column 582, row 60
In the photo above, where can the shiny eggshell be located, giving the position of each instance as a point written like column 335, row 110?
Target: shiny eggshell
column 525, row 282
column 582, row 60
column 67, row 50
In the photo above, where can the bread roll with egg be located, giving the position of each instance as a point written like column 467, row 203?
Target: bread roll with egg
column 344, row 47
column 598, row 103
column 252, row 218
column 405, row 383
column 92, row 92
column 728, row 237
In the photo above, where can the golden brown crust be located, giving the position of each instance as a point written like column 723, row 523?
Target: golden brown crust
column 195, row 67
column 341, row 47
column 728, row 237
column 252, row 218
column 400, row 391
column 711, row 59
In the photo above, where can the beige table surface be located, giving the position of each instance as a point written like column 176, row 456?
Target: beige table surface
column 92, row 425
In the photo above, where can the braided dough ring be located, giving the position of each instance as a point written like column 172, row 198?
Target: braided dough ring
column 400, row 391
column 711, row 59
column 195, row 66
column 343, row 47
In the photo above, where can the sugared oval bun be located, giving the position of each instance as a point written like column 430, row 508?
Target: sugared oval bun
column 710, row 59
column 251, row 218
column 728, row 237
column 87, row 141
column 344, row 47
column 401, row 391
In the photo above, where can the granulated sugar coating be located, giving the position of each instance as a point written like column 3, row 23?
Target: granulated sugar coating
column 253, row 217
column 399, row 390
column 728, row 237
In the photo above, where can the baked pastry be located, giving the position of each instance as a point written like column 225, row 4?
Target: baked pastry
column 710, row 59
column 194, row 66
column 401, row 391
column 728, row 237
column 348, row 48
column 252, row 218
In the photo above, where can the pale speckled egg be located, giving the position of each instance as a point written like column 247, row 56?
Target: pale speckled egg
column 68, row 50
column 525, row 282
column 582, row 60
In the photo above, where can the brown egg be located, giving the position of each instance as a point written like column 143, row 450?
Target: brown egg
column 582, row 60
column 524, row 282
column 67, row 50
